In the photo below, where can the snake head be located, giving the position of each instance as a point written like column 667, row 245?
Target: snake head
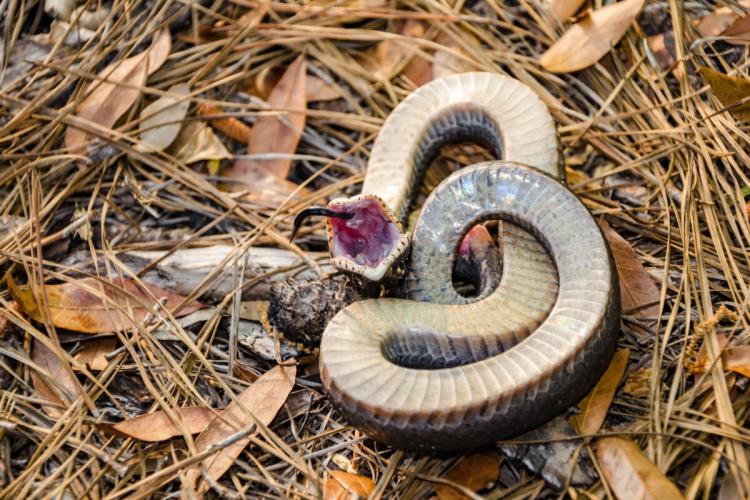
column 364, row 236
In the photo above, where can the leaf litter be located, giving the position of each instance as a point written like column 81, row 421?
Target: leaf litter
column 72, row 111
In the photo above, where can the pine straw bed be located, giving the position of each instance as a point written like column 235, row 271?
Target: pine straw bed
column 653, row 157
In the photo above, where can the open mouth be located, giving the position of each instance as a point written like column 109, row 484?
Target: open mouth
column 368, row 237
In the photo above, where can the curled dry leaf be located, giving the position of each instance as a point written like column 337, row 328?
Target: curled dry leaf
column 637, row 289
column 258, row 403
column 595, row 405
column 564, row 9
column 93, row 354
column 630, row 474
column 106, row 101
column 157, row 426
column 731, row 91
column 161, row 120
column 388, row 56
column 57, row 386
column 476, row 472
column 277, row 133
column 197, row 142
column 345, row 486
column 92, row 306
column 737, row 359
column 591, row 38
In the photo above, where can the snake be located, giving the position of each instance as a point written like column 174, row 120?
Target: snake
column 438, row 370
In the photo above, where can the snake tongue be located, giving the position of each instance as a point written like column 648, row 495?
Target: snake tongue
column 368, row 237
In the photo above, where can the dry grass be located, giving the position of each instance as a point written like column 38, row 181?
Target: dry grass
column 664, row 168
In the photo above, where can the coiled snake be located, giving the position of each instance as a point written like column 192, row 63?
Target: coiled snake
column 443, row 371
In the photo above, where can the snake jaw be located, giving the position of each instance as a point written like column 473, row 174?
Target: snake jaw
column 369, row 242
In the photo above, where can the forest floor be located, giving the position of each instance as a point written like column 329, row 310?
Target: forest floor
column 153, row 155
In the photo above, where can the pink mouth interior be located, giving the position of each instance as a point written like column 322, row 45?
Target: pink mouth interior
column 368, row 237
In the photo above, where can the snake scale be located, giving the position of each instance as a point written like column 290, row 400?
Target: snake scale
column 441, row 371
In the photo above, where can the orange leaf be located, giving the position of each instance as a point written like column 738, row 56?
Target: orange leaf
column 258, row 403
column 60, row 389
column 591, row 38
column 278, row 133
column 476, row 472
column 92, row 306
column 106, row 101
column 157, row 426
column 630, row 474
column 94, row 353
column 637, row 288
column 595, row 405
column 729, row 90
column 344, row 486
column 564, row 9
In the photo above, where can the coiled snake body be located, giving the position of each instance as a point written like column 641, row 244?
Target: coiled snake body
column 443, row 371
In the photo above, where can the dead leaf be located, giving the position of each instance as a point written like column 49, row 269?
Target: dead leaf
column 60, row 389
column 106, row 101
column 637, row 288
column 94, row 352
column 157, row 426
column 630, row 474
column 278, row 133
column 702, row 363
column 448, row 61
column 345, row 486
column 564, row 9
column 729, row 90
column 595, row 405
column 737, row 359
column 320, row 90
column 161, row 120
column 197, row 142
column 388, row 56
column 92, row 306
column 418, row 71
column 476, row 472
column 591, row 38
column 739, row 31
column 715, row 23
column 258, row 403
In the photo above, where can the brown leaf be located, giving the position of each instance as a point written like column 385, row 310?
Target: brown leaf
column 702, row 363
column 279, row 133
column 476, row 472
column 419, row 71
column 737, row 359
column 739, row 31
column 630, row 474
column 92, row 306
column 729, row 90
column 389, row 55
column 316, row 88
column 60, row 389
column 715, row 23
column 107, row 101
column 638, row 384
column 637, row 288
column 345, row 486
column 564, row 9
column 157, row 426
column 94, row 352
column 197, row 142
column 447, row 61
column 253, row 310
column 595, row 405
column 320, row 90
column 258, row 403
column 663, row 48
column 591, row 38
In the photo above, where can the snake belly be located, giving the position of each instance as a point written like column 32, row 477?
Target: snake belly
column 443, row 371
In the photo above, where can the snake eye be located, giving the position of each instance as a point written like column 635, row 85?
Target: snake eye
column 313, row 211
